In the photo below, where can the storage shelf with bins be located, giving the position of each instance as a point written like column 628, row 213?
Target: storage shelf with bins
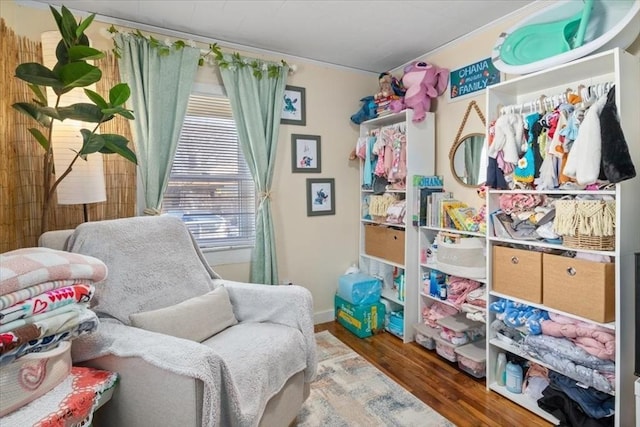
column 622, row 69
column 429, row 336
column 383, row 260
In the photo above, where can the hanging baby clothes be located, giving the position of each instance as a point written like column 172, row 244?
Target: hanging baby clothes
column 504, row 151
column 540, row 128
column 557, row 153
column 584, row 159
column 525, row 168
column 495, row 176
column 546, row 176
column 616, row 160
column 394, row 155
column 369, row 162
column 379, row 151
column 509, row 131
column 397, row 171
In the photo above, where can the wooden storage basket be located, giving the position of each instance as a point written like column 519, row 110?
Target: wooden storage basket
column 586, row 224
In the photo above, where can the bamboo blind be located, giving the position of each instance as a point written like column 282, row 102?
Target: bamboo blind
column 21, row 167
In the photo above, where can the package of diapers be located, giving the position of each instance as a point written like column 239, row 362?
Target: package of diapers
column 359, row 288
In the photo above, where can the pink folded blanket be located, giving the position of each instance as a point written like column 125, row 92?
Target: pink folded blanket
column 23, row 268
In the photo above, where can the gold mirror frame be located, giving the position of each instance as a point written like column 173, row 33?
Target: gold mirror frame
column 459, row 141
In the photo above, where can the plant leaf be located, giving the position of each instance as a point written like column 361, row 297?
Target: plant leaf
column 127, row 114
column 38, row 74
column 57, row 17
column 91, row 142
column 96, row 98
column 117, row 144
column 119, row 94
column 118, row 110
column 69, row 27
column 79, row 74
column 44, row 142
column 51, row 112
column 83, row 53
column 32, row 111
column 84, row 24
column 82, row 111
column 62, row 54
column 40, row 94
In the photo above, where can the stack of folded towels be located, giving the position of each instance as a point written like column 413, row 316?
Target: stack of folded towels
column 44, row 300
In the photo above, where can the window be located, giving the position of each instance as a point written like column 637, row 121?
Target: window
column 210, row 187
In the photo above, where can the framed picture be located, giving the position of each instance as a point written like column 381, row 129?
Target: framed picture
column 305, row 153
column 321, row 196
column 294, row 106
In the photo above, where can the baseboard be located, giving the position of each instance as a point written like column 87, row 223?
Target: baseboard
column 323, row 317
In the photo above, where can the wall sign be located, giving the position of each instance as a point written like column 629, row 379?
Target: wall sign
column 472, row 78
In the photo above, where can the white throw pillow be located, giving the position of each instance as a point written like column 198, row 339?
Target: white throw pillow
column 195, row 319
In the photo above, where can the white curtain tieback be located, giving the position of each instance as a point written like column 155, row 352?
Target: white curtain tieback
column 265, row 195
column 151, row 211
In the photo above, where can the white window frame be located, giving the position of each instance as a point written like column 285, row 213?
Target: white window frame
column 219, row 255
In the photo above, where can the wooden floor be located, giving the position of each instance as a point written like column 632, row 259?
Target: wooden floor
column 456, row 395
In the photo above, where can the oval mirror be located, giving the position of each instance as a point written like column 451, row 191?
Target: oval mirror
column 466, row 158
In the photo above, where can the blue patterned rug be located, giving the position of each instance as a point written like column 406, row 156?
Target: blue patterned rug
column 351, row 392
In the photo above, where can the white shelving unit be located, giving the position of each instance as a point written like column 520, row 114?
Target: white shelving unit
column 420, row 154
column 427, row 234
column 623, row 70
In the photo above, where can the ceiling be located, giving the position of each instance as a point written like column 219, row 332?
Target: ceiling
column 372, row 36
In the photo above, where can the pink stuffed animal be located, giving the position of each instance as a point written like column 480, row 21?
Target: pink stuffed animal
column 423, row 81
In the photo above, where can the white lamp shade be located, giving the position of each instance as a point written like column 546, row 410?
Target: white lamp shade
column 85, row 183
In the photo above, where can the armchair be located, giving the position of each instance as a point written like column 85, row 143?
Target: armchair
column 253, row 373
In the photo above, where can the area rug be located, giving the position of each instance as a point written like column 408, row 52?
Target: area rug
column 351, row 392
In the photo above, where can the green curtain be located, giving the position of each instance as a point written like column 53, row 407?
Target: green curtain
column 472, row 157
column 160, row 89
column 256, row 101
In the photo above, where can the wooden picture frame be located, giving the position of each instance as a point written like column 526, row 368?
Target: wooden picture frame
column 321, row 196
column 306, row 155
column 294, row 106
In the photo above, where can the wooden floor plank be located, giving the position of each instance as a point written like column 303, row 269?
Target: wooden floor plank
column 459, row 397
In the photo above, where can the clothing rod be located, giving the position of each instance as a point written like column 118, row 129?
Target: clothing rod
column 588, row 95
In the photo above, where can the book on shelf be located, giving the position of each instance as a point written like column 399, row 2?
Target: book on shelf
column 422, row 187
column 462, row 217
column 425, row 195
column 446, row 220
column 434, row 201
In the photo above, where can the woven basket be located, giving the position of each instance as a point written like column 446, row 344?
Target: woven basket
column 586, row 224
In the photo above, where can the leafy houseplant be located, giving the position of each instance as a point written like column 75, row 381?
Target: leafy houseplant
column 72, row 71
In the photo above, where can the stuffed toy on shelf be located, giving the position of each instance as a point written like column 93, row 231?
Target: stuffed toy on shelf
column 390, row 87
column 366, row 112
column 423, row 82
